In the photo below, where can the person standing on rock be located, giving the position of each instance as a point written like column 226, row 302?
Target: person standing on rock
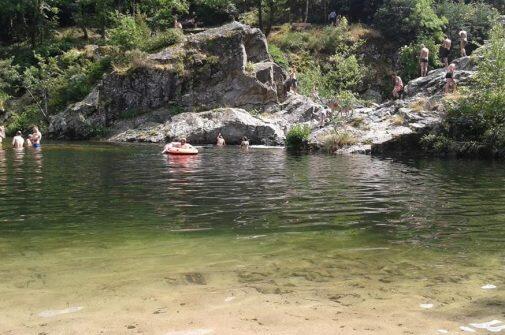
column 423, row 60
column 177, row 24
column 450, row 82
column 18, row 141
column 293, row 81
column 220, row 140
column 463, row 41
column 445, row 50
column 398, row 86
column 333, row 18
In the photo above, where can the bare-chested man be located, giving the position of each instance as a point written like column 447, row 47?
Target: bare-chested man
column 36, row 137
column 18, row 141
column 423, row 60
column 463, row 41
column 445, row 50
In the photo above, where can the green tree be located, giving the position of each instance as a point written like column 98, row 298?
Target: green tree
column 404, row 21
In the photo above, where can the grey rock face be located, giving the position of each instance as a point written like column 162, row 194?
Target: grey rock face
column 203, row 128
column 227, row 66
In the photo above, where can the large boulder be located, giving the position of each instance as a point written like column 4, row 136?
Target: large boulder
column 228, row 66
column 203, row 128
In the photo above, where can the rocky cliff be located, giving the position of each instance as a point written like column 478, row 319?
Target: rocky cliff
column 223, row 80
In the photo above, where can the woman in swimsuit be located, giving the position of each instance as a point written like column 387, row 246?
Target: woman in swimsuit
column 450, row 83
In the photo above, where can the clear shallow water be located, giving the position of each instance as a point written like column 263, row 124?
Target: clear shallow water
column 80, row 221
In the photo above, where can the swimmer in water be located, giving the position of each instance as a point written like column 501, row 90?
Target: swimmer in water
column 18, row 141
column 220, row 140
column 245, row 142
column 28, row 142
column 36, row 137
column 182, row 144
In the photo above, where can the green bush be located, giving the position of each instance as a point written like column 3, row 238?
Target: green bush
column 278, row 56
column 336, row 140
column 475, row 124
column 162, row 40
column 404, row 21
column 476, row 18
column 298, row 136
column 130, row 32
column 24, row 120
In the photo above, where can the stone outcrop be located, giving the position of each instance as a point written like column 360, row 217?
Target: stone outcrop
column 397, row 125
column 223, row 80
column 221, row 67
column 203, row 128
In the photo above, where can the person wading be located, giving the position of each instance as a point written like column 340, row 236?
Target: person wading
column 18, row 141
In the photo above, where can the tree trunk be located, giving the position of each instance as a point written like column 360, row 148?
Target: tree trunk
column 270, row 16
column 260, row 14
column 306, row 11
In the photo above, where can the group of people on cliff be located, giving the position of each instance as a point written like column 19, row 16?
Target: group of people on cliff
column 19, row 142
column 424, row 55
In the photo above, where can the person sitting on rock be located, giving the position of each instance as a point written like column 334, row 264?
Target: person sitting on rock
column 182, row 144
column 450, row 83
column 445, row 50
column 220, row 140
column 423, row 60
column 463, row 41
column 245, row 142
column 398, row 86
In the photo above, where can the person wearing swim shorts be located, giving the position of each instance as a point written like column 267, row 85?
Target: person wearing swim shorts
column 36, row 137
column 398, row 86
column 423, row 60
column 445, row 50
column 463, row 41
column 450, row 83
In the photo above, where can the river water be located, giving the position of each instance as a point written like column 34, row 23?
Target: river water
column 118, row 239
